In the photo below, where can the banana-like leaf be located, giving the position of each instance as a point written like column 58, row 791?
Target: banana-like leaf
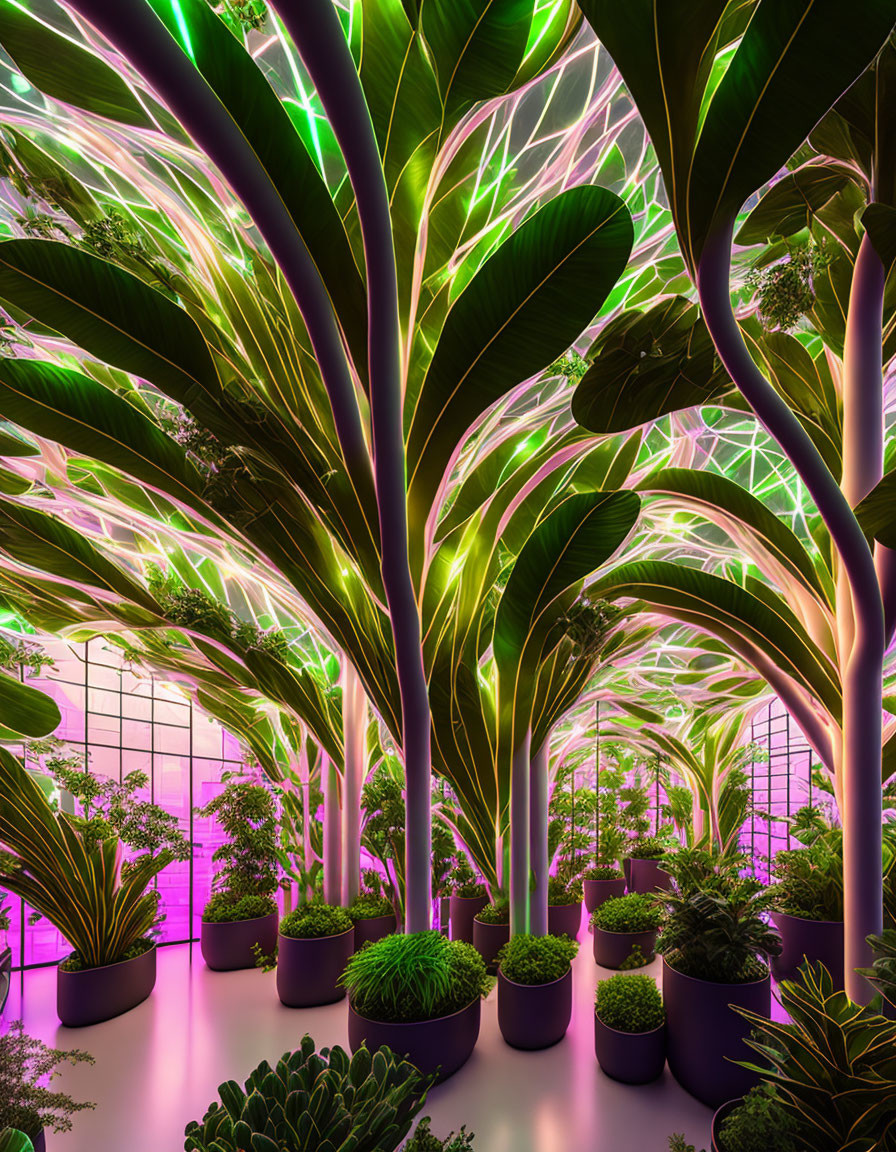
column 792, row 203
column 877, row 512
column 11, row 1140
column 880, row 224
column 25, row 710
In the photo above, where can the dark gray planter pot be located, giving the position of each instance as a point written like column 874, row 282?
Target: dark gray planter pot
column 444, row 1044
column 565, row 920
column 632, row 1057
column 97, row 994
column 722, row 1114
column 40, row 1141
column 373, row 928
column 5, row 975
column 815, row 940
column 462, row 911
column 308, row 969
column 704, row 1035
column 227, row 946
column 488, row 940
column 612, row 949
column 647, row 876
column 596, row 891
column 534, row 1016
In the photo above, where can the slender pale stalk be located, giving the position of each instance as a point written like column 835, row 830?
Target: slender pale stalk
column 332, row 832
column 317, row 32
column 538, row 837
column 519, row 835
column 863, row 676
column 354, row 737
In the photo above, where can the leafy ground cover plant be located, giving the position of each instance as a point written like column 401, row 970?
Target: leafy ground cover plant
column 423, row 1140
column 602, row 872
column 247, row 861
column 413, row 977
column 629, row 1003
column 315, row 920
column 648, row 848
column 315, row 1102
column 368, row 907
column 27, row 1066
column 498, row 912
column 526, row 959
column 564, row 891
column 636, row 912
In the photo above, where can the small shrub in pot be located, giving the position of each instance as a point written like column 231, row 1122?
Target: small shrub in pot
column 27, row 1102
column 468, row 896
column 602, row 882
column 313, row 948
column 491, row 930
column 625, row 927
column 535, row 989
column 564, row 905
column 629, row 1032
column 373, row 917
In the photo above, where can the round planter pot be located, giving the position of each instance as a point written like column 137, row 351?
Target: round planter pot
column 373, row 928
column 462, row 911
column 722, row 1114
column 648, row 876
column 5, row 975
column 533, row 1016
column 612, row 949
column 97, row 994
column 40, row 1141
column 444, row 1044
column 565, row 920
column 704, row 1035
column 228, row 946
column 488, row 940
column 308, row 969
column 596, row 891
column 815, row 940
column 632, row 1057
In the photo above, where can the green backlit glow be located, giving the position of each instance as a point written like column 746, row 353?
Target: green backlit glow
column 183, row 29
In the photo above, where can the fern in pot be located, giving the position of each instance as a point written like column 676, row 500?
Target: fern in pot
column 629, row 1028
column 313, row 947
column 535, row 989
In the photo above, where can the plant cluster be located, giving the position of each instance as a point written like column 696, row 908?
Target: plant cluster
column 18, row 654
column 315, row 1102
column 27, row 1066
column 882, row 974
column 498, row 912
column 759, row 1123
column 603, row 872
column 463, row 881
column 367, row 906
column 785, row 290
column 315, row 920
column 636, row 912
column 418, row 976
column 247, row 861
column 423, row 1140
column 526, row 959
column 75, row 961
column 629, row 1003
column 647, row 848
column 563, row 891
column 225, row 909
column 809, row 879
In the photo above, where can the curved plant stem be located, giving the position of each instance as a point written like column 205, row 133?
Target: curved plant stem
column 317, row 32
column 538, row 835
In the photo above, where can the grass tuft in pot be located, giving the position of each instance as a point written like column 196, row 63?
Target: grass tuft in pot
column 636, row 912
column 629, row 1003
column 312, row 921
column 27, row 1102
column 528, row 959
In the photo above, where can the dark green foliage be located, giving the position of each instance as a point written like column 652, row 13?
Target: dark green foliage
column 809, row 882
column 463, row 881
column 424, row 1141
column 526, row 959
column 368, row 907
column 326, row 1102
column 382, row 832
column 314, row 920
column 74, row 962
column 785, row 289
column 247, row 860
column 714, row 926
column 629, row 1003
column 16, row 654
column 420, row 976
column 603, row 872
column 12, row 1140
column 678, row 1143
column 26, row 1067
column 758, row 1124
column 498, row 912
column 563, row 891
column 635, row 959
column 883, row 972
column 647, row 848
column 223, row 908
column 633, row 913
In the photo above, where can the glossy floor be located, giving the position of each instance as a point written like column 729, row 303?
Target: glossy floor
column 159, row 1066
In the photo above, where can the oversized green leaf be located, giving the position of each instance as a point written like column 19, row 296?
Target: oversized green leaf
column 13, row 446
column 65, row 71
column 11, row 1140
column 27, row 710
column 554, row 27
column 526, row 305
column 877, row 512
column 880, row 224
column 790, row 204
column 647, row 364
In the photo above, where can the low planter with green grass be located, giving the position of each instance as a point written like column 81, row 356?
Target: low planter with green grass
column 629, row 1028
column 625, row 931
column 373, row 918
column 491, row 931
column 313, row 947
column 535, row 990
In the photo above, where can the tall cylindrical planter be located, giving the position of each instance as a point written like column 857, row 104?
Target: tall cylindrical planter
column 647, row 876
column 533, row 1016
column 565, row 920
column 96, row 994
column 814, row 940
column 632, row 1057
column 722, row 1114
column 704, row 1035
column 596, row 891
column 229, row 945
column 308, row 969
column 612, row 949
column 489, row 939
column 462, row 911
column 373, row 928
column 445, row 1043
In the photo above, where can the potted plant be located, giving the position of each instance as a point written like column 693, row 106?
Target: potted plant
column 367, row 1102
column 755, row 1123
column 27, row 1103
column 491, row 930
column 625, row 930
column 373, row 917
column 241, row 913
column 564, row 906
column 715, row 945
column 418, row 994
column 313, row 947
column 71, row 871
column 468, row 896
column 603, row 882
column 630, row 1028
column 535, row 989
column 645, row 872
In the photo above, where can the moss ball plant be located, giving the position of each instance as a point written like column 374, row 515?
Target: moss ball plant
column 498, row 912
column 315, row 920
column 414, row 977
column 369, row 907
column 632, row 913
column 629, row 1003
column 526, row 959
